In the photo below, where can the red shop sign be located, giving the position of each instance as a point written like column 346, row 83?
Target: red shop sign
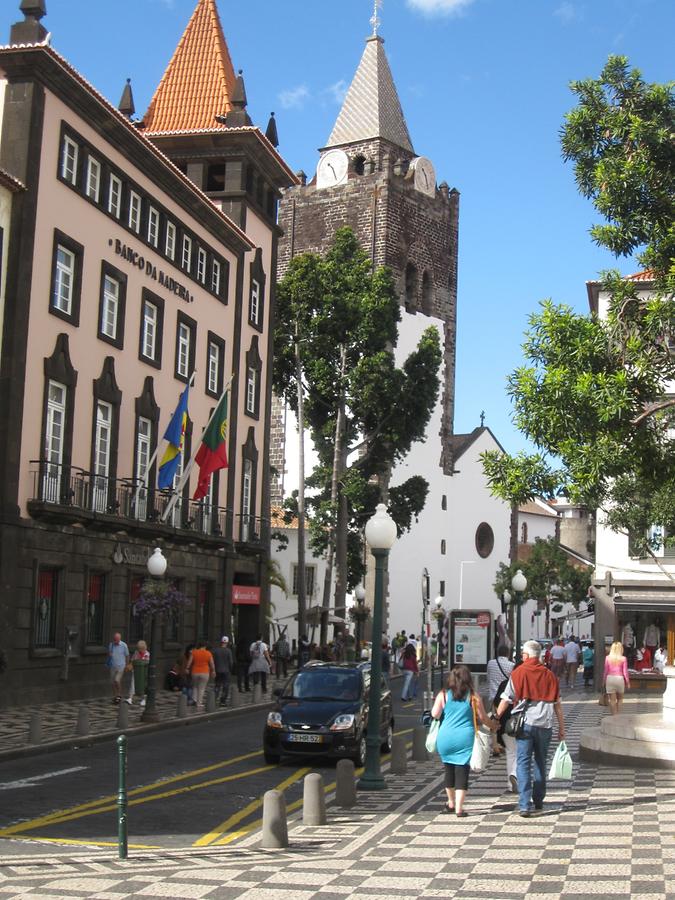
column 483, row 620
column 245, row 595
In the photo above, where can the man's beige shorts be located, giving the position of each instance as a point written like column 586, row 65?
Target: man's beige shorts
column 116, row 675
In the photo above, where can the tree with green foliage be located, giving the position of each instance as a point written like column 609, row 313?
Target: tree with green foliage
column 551, row 578
column 595, row 396
column 336, row 329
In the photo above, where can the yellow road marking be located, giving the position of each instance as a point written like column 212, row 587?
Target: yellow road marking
column 66, row 841
column 216, row 833
column 79, row 813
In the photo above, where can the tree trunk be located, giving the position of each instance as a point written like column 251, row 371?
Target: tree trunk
column 301, row 572
column 334, row 499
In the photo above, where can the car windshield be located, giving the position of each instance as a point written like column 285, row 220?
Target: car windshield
column 319, row 684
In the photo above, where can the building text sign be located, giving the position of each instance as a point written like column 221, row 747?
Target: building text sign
column 245, row 595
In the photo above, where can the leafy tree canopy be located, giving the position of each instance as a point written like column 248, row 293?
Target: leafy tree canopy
column 595, row 396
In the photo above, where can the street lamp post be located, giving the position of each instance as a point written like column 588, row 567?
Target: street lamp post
column 519, row 585
column 360, row 594
column 156, row 568
column 380, row 535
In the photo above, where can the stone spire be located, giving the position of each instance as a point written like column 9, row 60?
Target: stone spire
column 238, row 101
column 126, row 105
column 30, row 31
column 199, row 82
column 372, row 108
column 271, row 132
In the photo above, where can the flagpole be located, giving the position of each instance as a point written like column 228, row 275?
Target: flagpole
column 186, row 473
column 146, row 477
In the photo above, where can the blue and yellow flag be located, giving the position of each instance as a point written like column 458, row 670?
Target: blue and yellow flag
column 175, row 435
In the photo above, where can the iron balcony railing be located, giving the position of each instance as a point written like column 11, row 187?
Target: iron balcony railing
column 74, row 491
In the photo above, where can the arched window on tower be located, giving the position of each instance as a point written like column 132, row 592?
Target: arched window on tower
column 359, row 164
column 523, row 533
column 410, row 287
column 427, row 295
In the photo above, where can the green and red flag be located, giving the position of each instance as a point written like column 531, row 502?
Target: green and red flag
column 212, row 454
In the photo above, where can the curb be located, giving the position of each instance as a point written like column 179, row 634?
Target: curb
column 78, row 742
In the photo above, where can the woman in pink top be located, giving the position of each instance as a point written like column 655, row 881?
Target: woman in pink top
column 615, row 677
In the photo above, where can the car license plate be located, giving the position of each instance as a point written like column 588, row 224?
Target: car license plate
column 306, row 738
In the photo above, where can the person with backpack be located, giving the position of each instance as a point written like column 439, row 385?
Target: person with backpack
column 282, row 653
column 261, row 662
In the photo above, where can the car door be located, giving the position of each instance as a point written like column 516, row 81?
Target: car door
column 385, row 707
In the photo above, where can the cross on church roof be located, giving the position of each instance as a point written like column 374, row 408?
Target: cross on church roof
column 375, row 20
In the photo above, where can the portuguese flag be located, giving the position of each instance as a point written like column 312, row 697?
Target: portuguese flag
column 212, row 455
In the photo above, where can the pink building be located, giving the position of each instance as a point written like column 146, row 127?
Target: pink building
column 135, row 254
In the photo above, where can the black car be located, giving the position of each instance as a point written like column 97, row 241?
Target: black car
column 323, row 711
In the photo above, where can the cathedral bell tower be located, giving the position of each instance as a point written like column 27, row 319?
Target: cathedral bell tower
column 370, row 178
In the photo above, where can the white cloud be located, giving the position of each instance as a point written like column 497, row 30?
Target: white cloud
column 439, row 7
column 338, row 91
column 294, row 98
column 567, row 12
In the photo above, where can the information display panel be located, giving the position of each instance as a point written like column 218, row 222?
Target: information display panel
column 470, row 638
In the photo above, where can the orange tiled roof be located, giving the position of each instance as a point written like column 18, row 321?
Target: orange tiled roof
column 646, row 275
column 199, row 80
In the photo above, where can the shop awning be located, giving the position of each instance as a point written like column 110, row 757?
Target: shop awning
column 656, row 600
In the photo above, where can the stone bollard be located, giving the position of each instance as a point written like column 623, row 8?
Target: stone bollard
column 345, row 789
column 313, row 800
column 35, row 728
column 210, row 701
column 235, row 697
column 256, row 696
column 181, row 706
column 419, row 751
column 122, row 716
column 82, row 727
column 399, row 756
column 275, row 827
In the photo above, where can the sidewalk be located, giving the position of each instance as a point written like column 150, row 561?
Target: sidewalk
column 610, row 832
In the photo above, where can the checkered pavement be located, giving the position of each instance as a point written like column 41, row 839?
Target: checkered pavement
column 610, row 832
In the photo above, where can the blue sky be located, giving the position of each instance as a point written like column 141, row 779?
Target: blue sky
column 484, row 87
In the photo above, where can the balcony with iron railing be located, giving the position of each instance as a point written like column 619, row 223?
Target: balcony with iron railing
column 70, row 494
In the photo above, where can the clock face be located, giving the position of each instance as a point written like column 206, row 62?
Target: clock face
column 332, row 169
column 424, row 175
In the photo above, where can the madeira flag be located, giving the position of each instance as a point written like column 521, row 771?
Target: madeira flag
column 212, row 454
column 175, row 435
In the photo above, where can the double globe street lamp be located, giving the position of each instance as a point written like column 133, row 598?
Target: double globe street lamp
column 380, row 536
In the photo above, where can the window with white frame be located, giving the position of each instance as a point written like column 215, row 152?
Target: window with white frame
column 246, row 490
column 115, row 196
column 254, row 307
column 251, row 390
column 102, row 442
column 134, row 211
column 149, row 334
column 153, row 226
column 214, row 365
column 64, row 280
column 110, row 306
column 93, row 179
column 170, row 242
column 310, row 580
column 143, row 453
column 186, row 260
column 54, row 441
column 69, row 156
column 201, row 265
column 183, row 350
column 215, row 277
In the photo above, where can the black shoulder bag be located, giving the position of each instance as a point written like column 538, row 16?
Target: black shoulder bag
column 515, row 725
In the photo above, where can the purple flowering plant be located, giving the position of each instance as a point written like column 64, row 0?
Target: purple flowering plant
column 158, row 596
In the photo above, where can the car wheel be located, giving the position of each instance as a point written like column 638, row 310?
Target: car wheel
column 272, row 759
column 360, row 758
column 385, row 746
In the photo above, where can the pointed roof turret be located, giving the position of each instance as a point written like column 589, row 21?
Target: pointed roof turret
column 31, row 30
column 238, row 115
column 126, row 105
column 372, row 108
column 271, row 132
column 199, row 81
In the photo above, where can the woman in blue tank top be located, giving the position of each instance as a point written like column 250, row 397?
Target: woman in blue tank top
column 454, row 745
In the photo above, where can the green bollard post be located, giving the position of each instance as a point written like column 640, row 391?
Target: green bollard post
column 122, row 798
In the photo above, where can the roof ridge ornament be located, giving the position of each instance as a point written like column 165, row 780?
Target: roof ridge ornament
column 375, row 20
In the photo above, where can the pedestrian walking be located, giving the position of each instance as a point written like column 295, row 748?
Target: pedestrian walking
column 532, row 688
column 242, row 662
column 458, row 708
column 282, row 654
column 117, row 662
column 223, row 663
column 184, row 677
column 410, row 673
column 201, row 669
column 615, row 677
column 498, row 672
column 588, row 658
column 140, row 661
column 558, row 659
column 572, row 654
column 261, row 662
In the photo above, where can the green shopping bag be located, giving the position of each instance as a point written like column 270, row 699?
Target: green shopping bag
column 561, row 765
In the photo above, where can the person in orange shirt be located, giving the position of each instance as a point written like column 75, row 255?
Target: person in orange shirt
column 201, row 668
